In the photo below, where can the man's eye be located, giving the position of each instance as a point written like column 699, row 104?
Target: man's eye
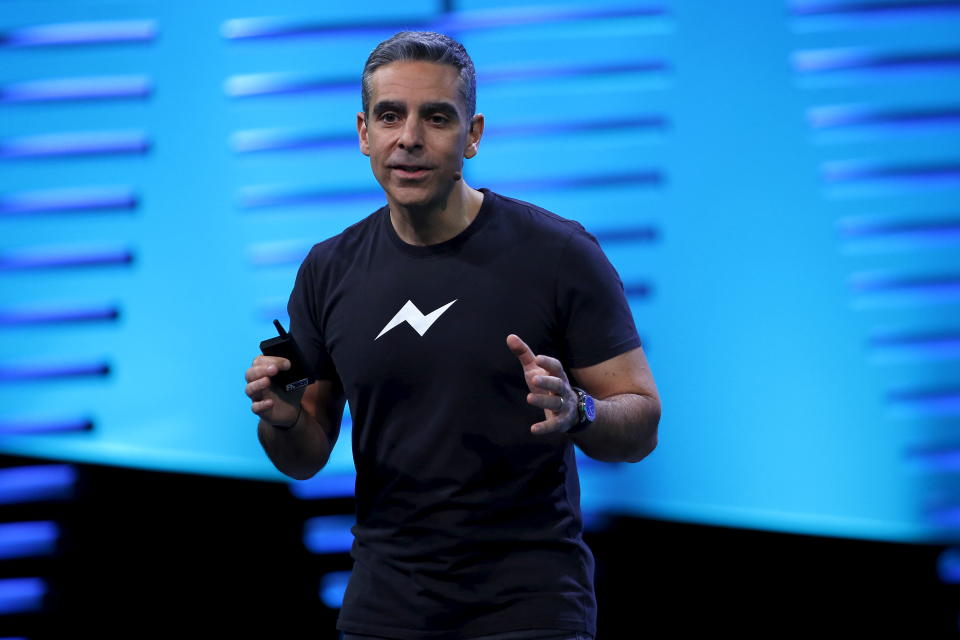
column 439, row 119
column 389, row 118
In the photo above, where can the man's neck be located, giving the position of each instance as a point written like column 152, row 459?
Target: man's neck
column 440, row 223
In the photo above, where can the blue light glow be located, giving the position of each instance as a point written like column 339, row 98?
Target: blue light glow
column 10, row 425
column 887, row 7
column 540, row 128
column 240, row 86
column 90, row 88
column 269, row 196
column 652, row 178
column 275, row 139
column 553, row 71
column 810, row 17
column 12, row 316
column 906, row 288
column 19, row 595
column 328, row 534
column 286, row 27
column 536, row 15
column 80, row 33
column 926, row 403
column 322, row 486
column 946, row 517
column 243, row 28
column 855, row 228
column 594, row 520
column 915, row 348
column 943, row 461
column 830, row 59
column 63, row 200
column 332, row 587
column 637, row 289
column 868, row 179
column 859, row 115
column 24, row 372
column 948, row 565
column 36, row 258
column 36, row 483
column 862, row 59
column 24, row 539
column 848, row 171
column 278, row 253
column 866, row 237
column 259, row 84
column 919, row 295
column 626, row 234
column 74, row 143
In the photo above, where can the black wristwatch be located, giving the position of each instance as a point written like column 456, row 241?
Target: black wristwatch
column 586, row 409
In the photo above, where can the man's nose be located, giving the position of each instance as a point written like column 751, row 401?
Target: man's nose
column 412, row 134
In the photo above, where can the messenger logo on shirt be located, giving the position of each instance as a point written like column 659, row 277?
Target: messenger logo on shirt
column 415, row 318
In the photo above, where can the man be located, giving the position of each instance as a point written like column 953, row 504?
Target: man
column 448, row 318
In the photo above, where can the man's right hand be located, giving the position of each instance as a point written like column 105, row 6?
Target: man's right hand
column 270, row 402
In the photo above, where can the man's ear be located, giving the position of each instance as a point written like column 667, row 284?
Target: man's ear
column 362, row 133
column 473, row 136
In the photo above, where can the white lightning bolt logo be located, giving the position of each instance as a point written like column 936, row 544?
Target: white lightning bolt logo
column 415, row 318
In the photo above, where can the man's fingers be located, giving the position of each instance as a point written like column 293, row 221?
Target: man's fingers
column 520, row 349
column 262, row 371
column 276, row 361
column 257, row 372
column 262, row 405
column 552, row 365
column 547, row 390
column 266, row 368
column 531, row 374
column 549, row 383
column 255, row 388
column 545, row 401
column 283, row 363
column 545, row 427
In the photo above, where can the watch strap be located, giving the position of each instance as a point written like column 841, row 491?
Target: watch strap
column 584, row 418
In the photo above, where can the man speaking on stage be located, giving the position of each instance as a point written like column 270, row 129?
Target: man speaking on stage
column 477, row 338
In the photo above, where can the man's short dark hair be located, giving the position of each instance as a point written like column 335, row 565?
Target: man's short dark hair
column 424, row 46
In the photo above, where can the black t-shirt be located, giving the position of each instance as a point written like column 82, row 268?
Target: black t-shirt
column 467, row 523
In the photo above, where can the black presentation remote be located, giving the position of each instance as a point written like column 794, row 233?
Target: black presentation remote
column 285, row 347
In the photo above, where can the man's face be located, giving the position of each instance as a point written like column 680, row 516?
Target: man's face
column 417, row 132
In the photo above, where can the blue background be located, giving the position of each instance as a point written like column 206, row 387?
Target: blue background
column 776, row 182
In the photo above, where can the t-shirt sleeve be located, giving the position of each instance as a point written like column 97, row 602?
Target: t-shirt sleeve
column 304, row 311
column 595, row 319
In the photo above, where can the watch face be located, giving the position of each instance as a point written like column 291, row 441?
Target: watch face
column 589, row 408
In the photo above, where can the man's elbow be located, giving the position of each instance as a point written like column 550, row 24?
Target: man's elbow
column 301, row 474
column 644, row 451
column 301, row 470
column 652, row 428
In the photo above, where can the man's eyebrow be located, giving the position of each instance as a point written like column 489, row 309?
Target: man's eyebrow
column 443, row 107
column 389, row 105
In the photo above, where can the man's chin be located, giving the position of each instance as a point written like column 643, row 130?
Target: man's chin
column 417, row 198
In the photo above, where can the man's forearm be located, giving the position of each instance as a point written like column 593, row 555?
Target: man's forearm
column 625, row 429
column 299, row 452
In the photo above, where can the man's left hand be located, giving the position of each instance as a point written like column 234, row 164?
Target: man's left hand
column 549, row 388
